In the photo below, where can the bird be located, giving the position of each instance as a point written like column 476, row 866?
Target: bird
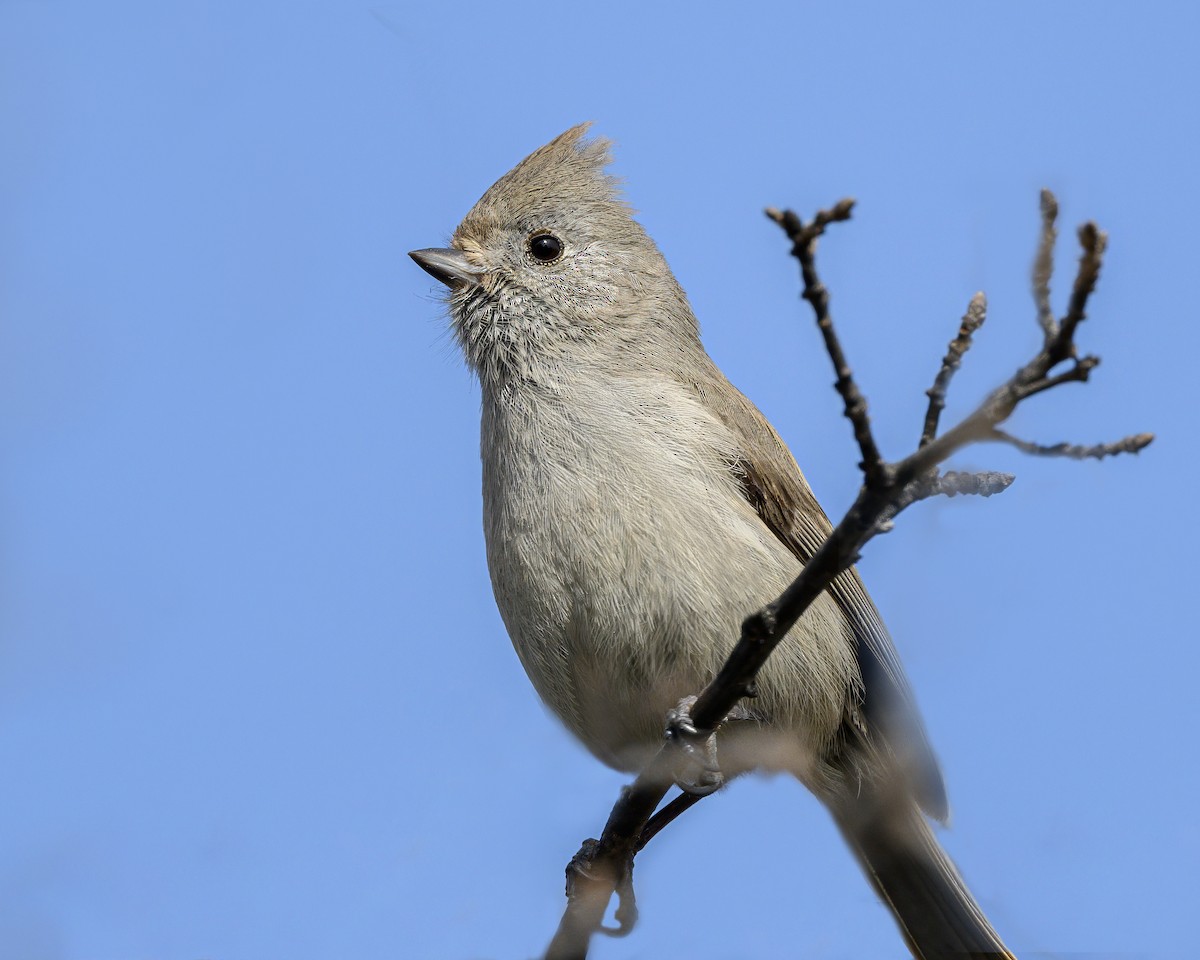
column 637, row 506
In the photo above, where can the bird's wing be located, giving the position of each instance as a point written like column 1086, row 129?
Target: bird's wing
column 772, row 483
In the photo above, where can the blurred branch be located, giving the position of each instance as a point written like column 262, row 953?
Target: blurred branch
column 605, row 866
column 1073, row 452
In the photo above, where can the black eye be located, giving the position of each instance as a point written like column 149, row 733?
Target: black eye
column 545, row 247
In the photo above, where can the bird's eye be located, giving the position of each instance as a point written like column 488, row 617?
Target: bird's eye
column 545, row 247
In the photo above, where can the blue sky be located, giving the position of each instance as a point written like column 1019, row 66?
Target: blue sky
column 255, row 698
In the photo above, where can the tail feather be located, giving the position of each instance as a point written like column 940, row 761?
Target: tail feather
column 936, row 913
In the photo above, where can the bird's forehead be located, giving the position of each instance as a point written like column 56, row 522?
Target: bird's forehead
column 489, row 219
column 478, row 226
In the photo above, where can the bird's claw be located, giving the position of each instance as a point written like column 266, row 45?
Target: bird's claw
column 698, row 773
column 580, row 869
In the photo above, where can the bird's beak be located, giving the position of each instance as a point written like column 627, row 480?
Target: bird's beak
column 450, row 266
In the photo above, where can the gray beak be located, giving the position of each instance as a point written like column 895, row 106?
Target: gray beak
column 449, row 266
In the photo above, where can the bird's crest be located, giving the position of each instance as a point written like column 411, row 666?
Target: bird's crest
column 569, row 171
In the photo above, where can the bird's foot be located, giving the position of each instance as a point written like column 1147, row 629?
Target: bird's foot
column 582, row 875
column 698, row 772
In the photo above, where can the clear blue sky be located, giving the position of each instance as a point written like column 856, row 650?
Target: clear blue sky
column 255, row 698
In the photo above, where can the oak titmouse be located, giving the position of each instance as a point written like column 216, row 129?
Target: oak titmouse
column 637, row 507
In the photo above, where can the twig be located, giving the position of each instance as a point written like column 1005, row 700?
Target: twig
column 1098, row 451
column 1043, row 265
column 1078, row 372
column 605, row 865
column 677, row 807
column 804, row 243
column 1094, row 241
column 952, row 483
column 972, row 320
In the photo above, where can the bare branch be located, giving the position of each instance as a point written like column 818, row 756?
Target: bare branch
column 1133, row 444
column 972, row 320
column 953, row 483
column 677, row 807
column 1078, row 372
column 1043, row 266
column 605, row 866
column 1094, row 242
column 950, row 484
column 804, row 245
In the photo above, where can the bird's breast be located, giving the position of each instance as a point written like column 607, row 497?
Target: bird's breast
column 622, row 556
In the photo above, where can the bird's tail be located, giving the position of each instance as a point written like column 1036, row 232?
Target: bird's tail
column 936, row 913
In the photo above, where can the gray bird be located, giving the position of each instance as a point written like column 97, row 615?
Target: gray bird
column 637, row 507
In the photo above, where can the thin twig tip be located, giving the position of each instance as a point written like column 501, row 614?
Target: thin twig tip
column 1092, row 239
column 976, row 311
column 1049, row 205
column 842, row 209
